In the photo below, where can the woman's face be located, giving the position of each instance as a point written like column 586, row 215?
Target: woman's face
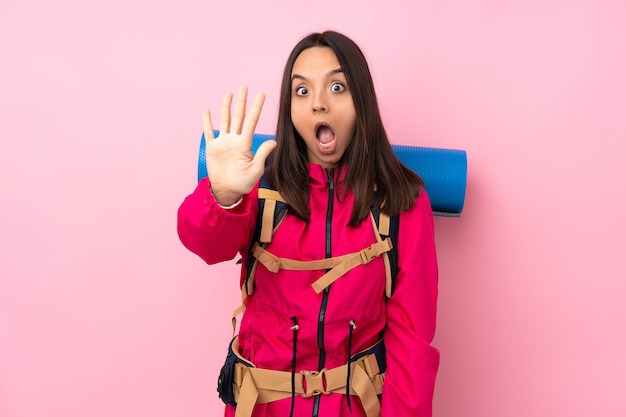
column 322, row 110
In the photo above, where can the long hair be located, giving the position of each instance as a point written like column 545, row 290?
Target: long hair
column 370, row 159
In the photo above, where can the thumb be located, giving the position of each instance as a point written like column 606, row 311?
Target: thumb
column 264, row 151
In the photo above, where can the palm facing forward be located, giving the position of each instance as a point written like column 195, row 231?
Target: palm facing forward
column 233, row 168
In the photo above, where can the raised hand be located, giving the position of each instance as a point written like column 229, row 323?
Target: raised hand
column 233, row 168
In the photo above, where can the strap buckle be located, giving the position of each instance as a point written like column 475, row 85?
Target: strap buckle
column 368, row 254
column 314, row 383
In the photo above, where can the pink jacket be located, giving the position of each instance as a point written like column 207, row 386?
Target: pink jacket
column 406, row 321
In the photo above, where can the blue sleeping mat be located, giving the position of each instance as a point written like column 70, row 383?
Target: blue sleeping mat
column 444, row 172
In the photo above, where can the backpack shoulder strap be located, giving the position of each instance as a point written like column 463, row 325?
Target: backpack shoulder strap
column 272, row 210
column 388, row 227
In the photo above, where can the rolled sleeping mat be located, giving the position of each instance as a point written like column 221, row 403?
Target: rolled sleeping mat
column 444, row 172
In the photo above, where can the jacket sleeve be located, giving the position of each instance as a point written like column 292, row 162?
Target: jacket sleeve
column 212, row 232
column 412, row 362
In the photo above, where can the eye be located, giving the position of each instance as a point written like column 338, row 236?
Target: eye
column 338, row 87
column 301, row 91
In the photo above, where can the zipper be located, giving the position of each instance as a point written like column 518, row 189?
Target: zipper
column 329, row 253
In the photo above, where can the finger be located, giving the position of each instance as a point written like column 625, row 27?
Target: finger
column 240, row 110
column 253, row 116
column 225, row 119
column 265, row 149
column 206, row 125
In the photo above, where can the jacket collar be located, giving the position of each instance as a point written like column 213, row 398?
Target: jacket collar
column 319, row 174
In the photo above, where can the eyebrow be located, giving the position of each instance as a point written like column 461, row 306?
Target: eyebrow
column 330, row 74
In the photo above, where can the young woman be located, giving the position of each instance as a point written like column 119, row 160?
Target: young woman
column 314, row 331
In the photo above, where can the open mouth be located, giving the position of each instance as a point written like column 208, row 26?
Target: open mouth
column 325, row 135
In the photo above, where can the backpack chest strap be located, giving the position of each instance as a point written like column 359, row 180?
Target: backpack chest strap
column 338, row 265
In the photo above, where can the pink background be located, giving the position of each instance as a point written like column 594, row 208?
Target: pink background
column 103, row 312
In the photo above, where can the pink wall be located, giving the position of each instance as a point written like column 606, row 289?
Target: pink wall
column 103, row 312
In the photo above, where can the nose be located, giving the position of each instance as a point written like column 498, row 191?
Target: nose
column 319, row 102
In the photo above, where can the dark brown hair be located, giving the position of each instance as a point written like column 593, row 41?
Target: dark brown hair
column 369, row 157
